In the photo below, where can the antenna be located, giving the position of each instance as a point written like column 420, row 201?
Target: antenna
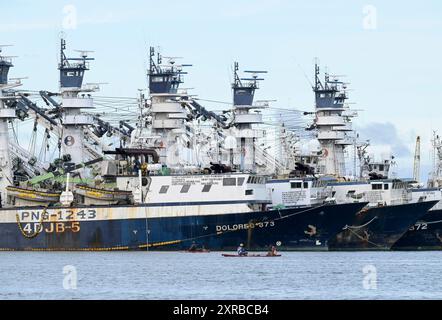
column 305, row 75
column 171, row 60
column 19, row 79
column 255, row 78
column 172, row 57
column 252, row 71
column 84, row 53
column 318, row 84
column 5, row 57
column 254, row 75
column 96, row 83
column 4, row 46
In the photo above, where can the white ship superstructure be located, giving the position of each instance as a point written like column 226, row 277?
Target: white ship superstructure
column 6, row 115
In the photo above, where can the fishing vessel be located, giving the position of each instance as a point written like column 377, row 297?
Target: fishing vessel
column 150, row 192
column 426, row 233
column 391, row 208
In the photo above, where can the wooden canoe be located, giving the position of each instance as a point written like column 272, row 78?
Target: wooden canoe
column 250, row 256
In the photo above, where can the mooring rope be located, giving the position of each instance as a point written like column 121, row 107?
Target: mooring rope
column 350, row 228
column 361, row 226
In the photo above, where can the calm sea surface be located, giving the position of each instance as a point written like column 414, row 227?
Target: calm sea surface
column 149, row 275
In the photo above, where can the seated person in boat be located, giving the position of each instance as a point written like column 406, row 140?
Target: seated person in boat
column 272, row 251
column 241, row 250
column 194, row 247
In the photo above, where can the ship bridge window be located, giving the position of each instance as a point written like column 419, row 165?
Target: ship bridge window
column 185, row 188
column 249, row 192
column 164, row 189
column 256, row 180
column 305, row 185
column 207, row 188
column 381, row 167
column 376, row 186
column 261, row 180
column 241, row 181
column 73, row 73
column 229, row 182
column 157, row 79
column 386, row 186
column 296, row 185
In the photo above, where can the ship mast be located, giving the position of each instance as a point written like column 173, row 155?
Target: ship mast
column 331, row 124
column 436, row 175
column 243, row 95
column 72, row 72
column 167, row 117
column 6, row 115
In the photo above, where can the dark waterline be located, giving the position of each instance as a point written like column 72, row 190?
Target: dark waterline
column 156, row 275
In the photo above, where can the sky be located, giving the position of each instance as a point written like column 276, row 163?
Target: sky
column 389, row 52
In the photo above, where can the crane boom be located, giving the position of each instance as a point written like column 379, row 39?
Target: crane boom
column 417, row 160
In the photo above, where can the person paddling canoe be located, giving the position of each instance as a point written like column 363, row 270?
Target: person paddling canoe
column 241, row 250
column 272, row 251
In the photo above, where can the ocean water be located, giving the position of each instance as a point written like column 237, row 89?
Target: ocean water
column 180, row 275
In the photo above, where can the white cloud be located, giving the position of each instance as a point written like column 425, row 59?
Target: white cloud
column 385, row 137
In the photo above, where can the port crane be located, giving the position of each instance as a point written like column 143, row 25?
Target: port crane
column 417, row 160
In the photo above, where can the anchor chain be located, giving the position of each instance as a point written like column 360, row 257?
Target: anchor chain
column 37, row 231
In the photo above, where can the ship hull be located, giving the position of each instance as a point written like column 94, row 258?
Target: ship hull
column 293, row 229
column 136, row 228
column 379, row 228
column 425, row 234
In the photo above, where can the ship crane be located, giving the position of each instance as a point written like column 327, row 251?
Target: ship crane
column 7, row 114
column 28, row 108
column 199, row 111
column 417, row 160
